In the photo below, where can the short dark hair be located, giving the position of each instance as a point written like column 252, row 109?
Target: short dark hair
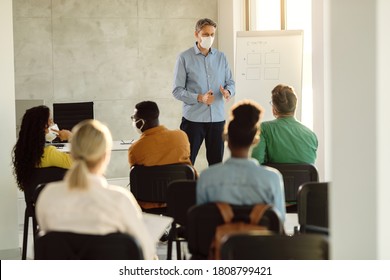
column 147, row 110
column 244, row 123
column 203, row 22
column 284, row 99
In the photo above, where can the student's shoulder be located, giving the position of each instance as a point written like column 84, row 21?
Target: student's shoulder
column 121, row 191
column 214, row 170
column 269, row 123
column 138, row 144
column 270, row 171
column 122, row 195
column 52, row 188
column 176, row 133
column 50, row 149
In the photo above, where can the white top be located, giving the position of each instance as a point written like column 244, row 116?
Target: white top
column 101, row 209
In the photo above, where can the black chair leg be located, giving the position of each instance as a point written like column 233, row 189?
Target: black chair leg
column 171, row 237
column 169, row 249
column 25, row 234
column 35, row 231
column 178, row 249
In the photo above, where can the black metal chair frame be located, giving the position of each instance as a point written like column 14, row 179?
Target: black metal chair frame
column 202, row 221
column 41, row 175
column 74, row 246
column 150, row 183
column 294, row 175
column 275, row 247
column 181, row 197
column 313, row 207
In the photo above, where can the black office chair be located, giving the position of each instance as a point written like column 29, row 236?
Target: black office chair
column 181, row 197
column 73, row 246
column 203, row 219
column 37, row 191
column 40, row 175
column 67, row 115
column 313, row 208
column 294, row 175
column 275, row 247
column 150, row 183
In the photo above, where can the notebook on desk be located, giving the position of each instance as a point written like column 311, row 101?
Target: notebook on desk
column 156, row 224
column 58, row 145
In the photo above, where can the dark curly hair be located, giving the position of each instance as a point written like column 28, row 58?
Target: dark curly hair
column 29, row 147
column 244, row 123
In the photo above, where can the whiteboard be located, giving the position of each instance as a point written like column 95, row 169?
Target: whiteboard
column 265, row 59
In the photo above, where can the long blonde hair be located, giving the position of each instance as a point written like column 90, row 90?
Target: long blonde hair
column 90, row 143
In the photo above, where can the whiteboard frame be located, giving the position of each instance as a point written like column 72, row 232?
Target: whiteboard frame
column 264, row 100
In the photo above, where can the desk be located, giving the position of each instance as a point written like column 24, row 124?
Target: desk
column 290, row 222
column 118, row 145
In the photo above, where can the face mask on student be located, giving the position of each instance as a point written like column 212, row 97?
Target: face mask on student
column 138, row 130
column 207, row 42
column 51, row 135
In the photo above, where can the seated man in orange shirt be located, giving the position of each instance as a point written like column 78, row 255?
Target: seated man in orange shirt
column 157, row 144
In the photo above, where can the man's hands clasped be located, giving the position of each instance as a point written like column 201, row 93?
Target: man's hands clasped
column 208, row 97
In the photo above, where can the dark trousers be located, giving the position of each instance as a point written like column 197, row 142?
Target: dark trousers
column 210, row 132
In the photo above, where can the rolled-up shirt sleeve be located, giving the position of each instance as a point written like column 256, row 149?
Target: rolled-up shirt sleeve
column 180, row 91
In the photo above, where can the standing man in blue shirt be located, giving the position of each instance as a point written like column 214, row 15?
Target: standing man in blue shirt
column 202, row 81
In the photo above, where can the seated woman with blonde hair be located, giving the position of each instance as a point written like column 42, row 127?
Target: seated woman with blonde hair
column 84, row 202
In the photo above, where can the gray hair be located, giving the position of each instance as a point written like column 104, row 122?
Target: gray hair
column 203, row 22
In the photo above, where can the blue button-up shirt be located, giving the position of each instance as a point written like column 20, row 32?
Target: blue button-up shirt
column 197, row 74
column 241, row 182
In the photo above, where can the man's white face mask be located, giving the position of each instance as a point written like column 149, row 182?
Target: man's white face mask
column 206, row 42
column 51, row 135
column 138, row 130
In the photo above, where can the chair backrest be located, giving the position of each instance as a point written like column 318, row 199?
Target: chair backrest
column 313, row 207
column 294, row 175
column 37, row 191
column 73, row 246
column 150, row 183
column 67, row 115
column 41, row 176
column 203, row 219
column 181, row 197
column 275, row 247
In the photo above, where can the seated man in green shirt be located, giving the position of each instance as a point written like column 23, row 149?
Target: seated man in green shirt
column 285, row 139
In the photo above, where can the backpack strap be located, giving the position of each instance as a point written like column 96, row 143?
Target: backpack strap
column 258, row 212
column 226, row 211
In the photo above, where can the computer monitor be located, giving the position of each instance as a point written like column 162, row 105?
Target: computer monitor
column 67, row 115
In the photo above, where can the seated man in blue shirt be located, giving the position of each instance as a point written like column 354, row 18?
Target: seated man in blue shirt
column 241, row 180
column 202, row 81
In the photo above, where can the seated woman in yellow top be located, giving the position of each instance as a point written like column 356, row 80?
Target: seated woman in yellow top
column 31, row 151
